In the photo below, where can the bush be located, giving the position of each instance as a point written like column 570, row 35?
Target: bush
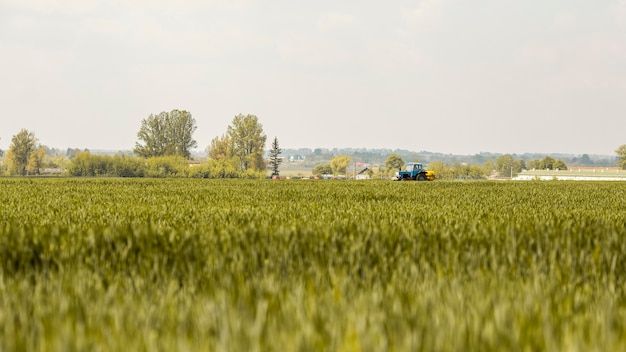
column 199, row 171
column 165, row 166
column 87, row 165
column 84, row 164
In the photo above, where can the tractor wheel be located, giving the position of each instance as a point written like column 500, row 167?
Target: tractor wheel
column 421, row 177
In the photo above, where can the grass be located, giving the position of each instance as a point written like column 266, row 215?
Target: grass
column 114, row 264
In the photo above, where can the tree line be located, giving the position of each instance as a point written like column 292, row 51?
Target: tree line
column 165, row 141
column 163, row 149
column 25, row 156
column 505, row 166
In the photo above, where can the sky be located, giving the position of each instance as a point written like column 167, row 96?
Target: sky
column 448, row 76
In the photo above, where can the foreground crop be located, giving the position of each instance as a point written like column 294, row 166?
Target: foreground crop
column 245, row 265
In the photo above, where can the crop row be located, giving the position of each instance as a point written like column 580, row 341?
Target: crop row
column 220, row 265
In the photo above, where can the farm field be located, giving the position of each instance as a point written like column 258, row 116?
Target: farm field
column 261, row 265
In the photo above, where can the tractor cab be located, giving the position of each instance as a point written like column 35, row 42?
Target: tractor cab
column 413, row 166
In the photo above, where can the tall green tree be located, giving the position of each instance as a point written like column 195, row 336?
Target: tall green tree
column 182, row 126
column 248, row 142
column 168, row 133
column 394, row 161
column 621, row 153
column 275, row 159
column 22, row 146
column 548, row 163
column 339, row 164
column 153, row 139
column 505, row 165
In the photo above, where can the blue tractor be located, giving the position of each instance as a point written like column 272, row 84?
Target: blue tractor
column 416, row 172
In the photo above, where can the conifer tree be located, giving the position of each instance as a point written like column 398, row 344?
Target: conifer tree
column 275, row 159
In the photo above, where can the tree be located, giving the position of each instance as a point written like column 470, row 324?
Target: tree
column 166, row 134
column 322, row 169
column 548, row 163
column 339, row 164
column 248, row 142
column 220, row 148
column 476, row 172
column 505, row 165
column 275, row 159
column 71, row 153
column 182, row 126
column 394, row 161
column 153, row 134
column 222, row 164
column 621, row 153
column 22, row 145
column 35, row 161
column 559, row 165
column 488, row 167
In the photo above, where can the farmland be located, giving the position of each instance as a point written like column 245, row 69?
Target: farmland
column 220, row 265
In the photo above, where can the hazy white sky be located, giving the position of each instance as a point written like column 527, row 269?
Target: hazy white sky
column 451, row 76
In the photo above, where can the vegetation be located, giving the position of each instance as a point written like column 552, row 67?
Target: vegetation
column 322, row 169
column 507, row 165
column 247, row 142
column 221, row 160
column 547, row 163
column 621, row 153
column 85, row 164
column 459, row 171
column 239, row 152
column 394, row 162
column 275, row 159
column 166, row 134
column 339, row 164
column 114, row 264
column 24, row 155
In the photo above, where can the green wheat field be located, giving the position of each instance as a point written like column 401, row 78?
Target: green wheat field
column 261, row 265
